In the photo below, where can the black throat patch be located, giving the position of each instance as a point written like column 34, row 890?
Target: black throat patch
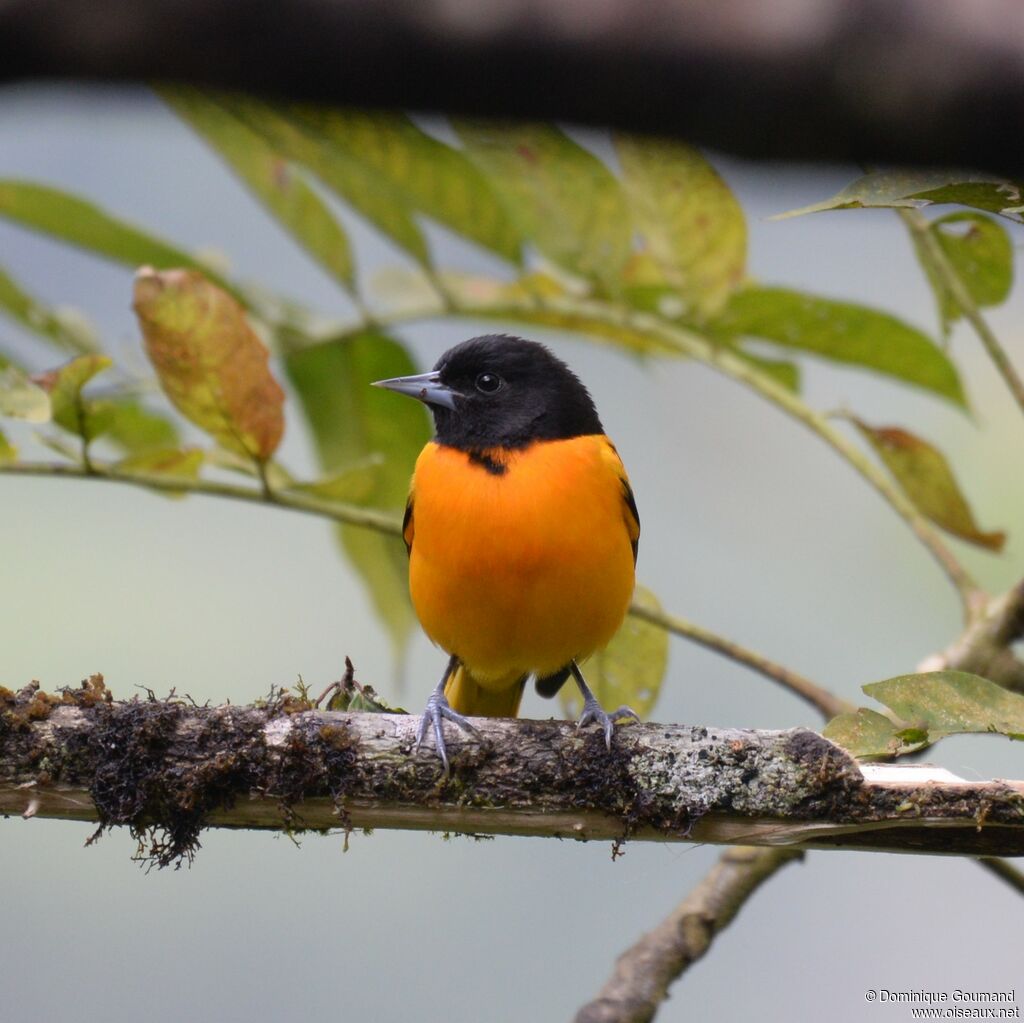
column 486, row 460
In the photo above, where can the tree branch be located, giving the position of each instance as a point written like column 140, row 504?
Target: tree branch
column 913, row 82
column 1007, row 872
column 169, row 769
column 644, row 971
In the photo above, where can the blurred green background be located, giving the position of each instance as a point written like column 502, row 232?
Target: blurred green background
column 751, row 527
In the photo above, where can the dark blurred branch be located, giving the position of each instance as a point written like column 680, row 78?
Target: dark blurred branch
column 929, row 81
column 644, row 971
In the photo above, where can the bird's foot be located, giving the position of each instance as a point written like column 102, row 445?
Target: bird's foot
column 593, row 712
column 435, row 713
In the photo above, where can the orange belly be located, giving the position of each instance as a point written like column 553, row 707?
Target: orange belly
column 522, row 572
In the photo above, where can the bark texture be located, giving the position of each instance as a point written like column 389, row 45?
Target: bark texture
column 168, row 769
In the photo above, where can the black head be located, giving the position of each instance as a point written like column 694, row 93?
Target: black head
column 499, row 391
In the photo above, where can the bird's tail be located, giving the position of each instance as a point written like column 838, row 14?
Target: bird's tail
column 499, row 699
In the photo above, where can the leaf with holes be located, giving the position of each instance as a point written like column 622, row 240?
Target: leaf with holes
column 210, row 363
column 926, row 478
column 630, row 670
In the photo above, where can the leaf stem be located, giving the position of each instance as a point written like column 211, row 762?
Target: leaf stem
column 921, row 227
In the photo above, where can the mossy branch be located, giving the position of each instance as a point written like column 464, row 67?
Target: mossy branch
column 168, row 769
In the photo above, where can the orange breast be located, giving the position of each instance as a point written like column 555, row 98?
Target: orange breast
column 525, row 571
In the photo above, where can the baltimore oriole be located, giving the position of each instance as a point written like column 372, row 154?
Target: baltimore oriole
column 521, row 528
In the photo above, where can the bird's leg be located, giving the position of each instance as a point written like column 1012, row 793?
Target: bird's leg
column 436, row 711
column 593, row 711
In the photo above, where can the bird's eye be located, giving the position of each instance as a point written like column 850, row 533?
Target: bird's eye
column 488, row 383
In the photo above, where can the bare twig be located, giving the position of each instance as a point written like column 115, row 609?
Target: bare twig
column 826, row 703
column 644, row 971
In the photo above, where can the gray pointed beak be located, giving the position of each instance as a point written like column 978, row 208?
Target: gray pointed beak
column 427, row 387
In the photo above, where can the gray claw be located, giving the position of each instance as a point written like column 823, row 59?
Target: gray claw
column 436, row 711
column 594, row 712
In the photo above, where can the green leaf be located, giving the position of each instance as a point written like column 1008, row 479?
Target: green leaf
column 930, row 706
column 351, row 421
column 926, row 478
column 908, row 188
column 431, row 177
column 131, row 426
column 843, row 332
column 363, row 188
column 64, row 386
column 78, row 222
column 630, row 670
column 279, row 185
column 980, row 252
column 209, row 360
column 66, row 329
column 562, row 199
column 355, row 484
column 947, row 702
column 8, row 452
column 866, row 733
column 173, row 463
column 780, row 370
column 692, row 224
column 20, row 398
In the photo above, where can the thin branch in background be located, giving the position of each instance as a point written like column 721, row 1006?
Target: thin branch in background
column 826, row 703
column 920, row 226
column 644, row 971
column 1004, row 870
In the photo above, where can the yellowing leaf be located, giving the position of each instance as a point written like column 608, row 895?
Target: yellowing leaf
column 210, row 363
column 926, row 478
column 20, row 398
column 630, row 670
column 866, row 733
column 277, row 183
column 64, row 385
column 692, row 224
column 561, row 198
column 8, row 452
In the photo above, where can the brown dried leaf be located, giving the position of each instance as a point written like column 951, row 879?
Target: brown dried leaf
column 210, row 363
column 926, row 478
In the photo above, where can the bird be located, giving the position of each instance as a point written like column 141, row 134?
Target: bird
column 522, row 531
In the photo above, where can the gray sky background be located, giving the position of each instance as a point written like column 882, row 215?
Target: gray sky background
column 751, row 527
